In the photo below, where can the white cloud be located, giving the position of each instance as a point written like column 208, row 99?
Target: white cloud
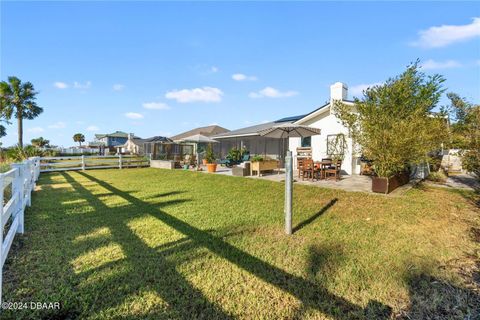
column 58, row 125
column 92, row 128
column 205, row 94
column 243, row 77
column 134, row 115
column 270, row 92
column 118, row 87
column 78, row 85
column 436, row 37
column 432, row 64
column 60, row 85
column 156, row 106
column 214, row 69
column 359, row 88
column 35, row 130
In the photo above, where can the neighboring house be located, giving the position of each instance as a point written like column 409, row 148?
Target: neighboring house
column 206, row 131
column 136, row 145
column 321, row 145
column 111, row 140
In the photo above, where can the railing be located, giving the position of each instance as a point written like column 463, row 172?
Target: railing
column 49, row 164
column 16, row 186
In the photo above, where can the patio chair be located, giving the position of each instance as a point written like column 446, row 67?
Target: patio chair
column 300, row 167
column 333, row 171
column 308, row 169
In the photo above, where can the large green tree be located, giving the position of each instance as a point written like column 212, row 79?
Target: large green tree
column 17, row 100
column 394, row 124
column 78, row 137
column 40, row 142
column 466, row 131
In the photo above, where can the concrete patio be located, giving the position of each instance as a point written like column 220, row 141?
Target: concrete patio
column 355, row 183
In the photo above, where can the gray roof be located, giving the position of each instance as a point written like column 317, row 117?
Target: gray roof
column 204, row 131
column 152, row 139
column 254, row 130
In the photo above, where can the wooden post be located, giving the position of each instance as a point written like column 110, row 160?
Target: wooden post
column 27, row 181
column 119, row 161
column 83, row 162
column 18, row 190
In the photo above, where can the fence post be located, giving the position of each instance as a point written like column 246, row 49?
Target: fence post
column 37, row 168
column 83, row 162
column 27, row 181
column 18, row 186
column 119, row 161
column 1, row 233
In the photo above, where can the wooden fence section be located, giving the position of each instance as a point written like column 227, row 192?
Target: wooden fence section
column 49, row 164
column 16, row 186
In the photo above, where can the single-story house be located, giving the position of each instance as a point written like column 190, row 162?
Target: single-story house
column 331, row 127
column 321, row 145
column 207, row 131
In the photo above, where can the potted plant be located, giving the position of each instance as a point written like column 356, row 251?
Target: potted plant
column 210, row 158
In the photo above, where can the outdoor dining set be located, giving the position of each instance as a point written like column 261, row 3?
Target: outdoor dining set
column 318, row 170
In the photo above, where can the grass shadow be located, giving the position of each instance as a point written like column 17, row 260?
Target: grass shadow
column 433, row 298
column 315, row 216
column 309, row 293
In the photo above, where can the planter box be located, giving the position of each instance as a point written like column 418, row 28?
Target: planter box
column 387, row 185
column 265, row 165
column 162, row 164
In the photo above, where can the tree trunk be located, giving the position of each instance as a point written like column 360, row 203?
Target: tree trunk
column 20, row 131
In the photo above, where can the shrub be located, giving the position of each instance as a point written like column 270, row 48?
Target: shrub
column 437, row 176
column 209, row 155
column 18, row 154
column 394, row 124
column 257, row 158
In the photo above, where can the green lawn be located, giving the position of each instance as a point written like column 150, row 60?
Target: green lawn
column 159, row 244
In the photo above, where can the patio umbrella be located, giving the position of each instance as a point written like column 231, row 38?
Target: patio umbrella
column 282, row 131
column 198, row 138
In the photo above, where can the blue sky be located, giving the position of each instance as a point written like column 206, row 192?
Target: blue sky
column 155, row 68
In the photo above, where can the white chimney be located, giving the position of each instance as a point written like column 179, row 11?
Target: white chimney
column 338, row 91
column 130, row 136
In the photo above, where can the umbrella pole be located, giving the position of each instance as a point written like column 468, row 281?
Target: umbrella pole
column 288, row 192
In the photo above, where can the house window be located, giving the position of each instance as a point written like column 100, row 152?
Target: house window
column 336, row 144
column 306, row 142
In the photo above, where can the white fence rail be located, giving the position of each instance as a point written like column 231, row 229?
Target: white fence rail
column 49, row 164
column 16, row 186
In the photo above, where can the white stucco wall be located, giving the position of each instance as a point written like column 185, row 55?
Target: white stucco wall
column 328, row 124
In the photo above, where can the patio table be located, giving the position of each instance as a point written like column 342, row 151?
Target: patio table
column 321, row 166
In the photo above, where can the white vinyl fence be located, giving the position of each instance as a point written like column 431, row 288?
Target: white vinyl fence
column 16, row 186
column 49, row 164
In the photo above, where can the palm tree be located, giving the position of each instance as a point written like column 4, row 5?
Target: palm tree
column 40, row 142
column 78, row 137
column 17, row 99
